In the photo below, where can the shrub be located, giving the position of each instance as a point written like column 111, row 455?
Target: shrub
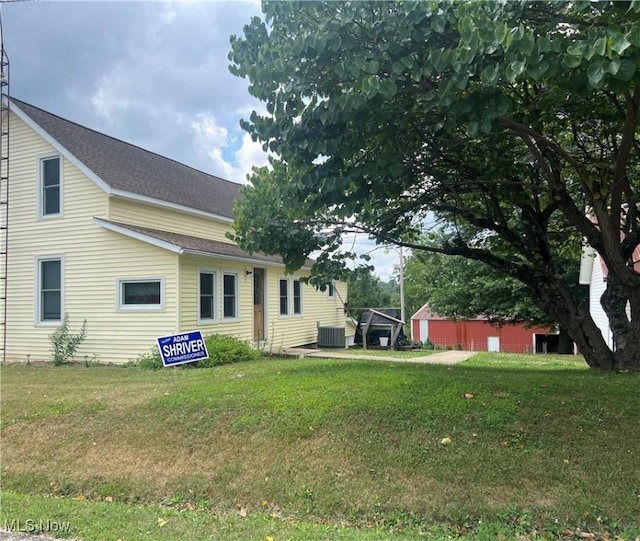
column 65, row 344
column 222, row 349
column 150, row 360
column 226, row 349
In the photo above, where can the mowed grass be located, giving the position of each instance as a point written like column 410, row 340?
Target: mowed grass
column 325, row 449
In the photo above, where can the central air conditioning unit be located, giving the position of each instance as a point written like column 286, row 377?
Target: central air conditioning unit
column 331, row 337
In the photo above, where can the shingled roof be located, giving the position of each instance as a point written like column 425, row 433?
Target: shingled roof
column 128, row 169
column 188, row 244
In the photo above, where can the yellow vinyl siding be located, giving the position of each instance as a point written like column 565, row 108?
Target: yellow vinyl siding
column 93, row 260
column 282, row 331
column 134, row 213
column 317, row 307
column 30, row 237
column 242, row 326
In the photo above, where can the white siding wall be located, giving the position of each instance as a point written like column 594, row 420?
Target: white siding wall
column 596, row 289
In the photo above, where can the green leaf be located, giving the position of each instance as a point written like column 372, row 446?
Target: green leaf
column 600, row 46
column 570, row 61
column 613, row 67
column 634, row 34
column 627, row 69
column 500, row 32
column 372, row 66
column 489, row 75
column 472, row 128
column 515, row 69
column 595, row 74
column 461, row 81
column 577, row 49
column 527, row 44
column 397, row 68
column 620, row 43
column 438, row 24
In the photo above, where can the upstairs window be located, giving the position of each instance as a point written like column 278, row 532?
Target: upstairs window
column 332, row 291
column 50, row 187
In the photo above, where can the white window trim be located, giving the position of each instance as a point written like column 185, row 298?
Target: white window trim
column 293, row 304
column 286, row 279
column 120, row 307
column 216, row 298
column 40, row 199
column 38, row 292
column 237, row 295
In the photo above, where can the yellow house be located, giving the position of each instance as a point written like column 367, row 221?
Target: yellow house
column 134, row 243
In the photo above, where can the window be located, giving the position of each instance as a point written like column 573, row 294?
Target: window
column 284, row 296
column 50, row 301
column 140, row 294
column 297, row 297
column 207, row 296
column 230, row 296
column 50, row 187
column 332, row 291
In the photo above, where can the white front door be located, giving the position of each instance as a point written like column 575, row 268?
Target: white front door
column 493, row 344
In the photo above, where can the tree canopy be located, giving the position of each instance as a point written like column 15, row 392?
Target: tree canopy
column 365, row 290
column 515, row 122
column 460, row 288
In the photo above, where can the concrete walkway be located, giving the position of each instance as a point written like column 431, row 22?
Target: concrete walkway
column 445, row 357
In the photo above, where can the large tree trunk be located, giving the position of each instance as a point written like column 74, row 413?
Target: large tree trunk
column 617, row 304
column 563, row 307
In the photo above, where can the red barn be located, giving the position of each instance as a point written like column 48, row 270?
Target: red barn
column 480, row 335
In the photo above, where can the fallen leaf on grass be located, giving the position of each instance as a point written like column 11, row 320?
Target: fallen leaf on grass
column 162, row 522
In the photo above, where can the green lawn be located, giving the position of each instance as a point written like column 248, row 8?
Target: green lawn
column 540, row 447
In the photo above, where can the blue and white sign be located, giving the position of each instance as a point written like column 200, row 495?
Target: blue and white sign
column 182, row 348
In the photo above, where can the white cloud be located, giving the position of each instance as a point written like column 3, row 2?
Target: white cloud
column 107, row 101
column 212, row 139
column 249, row 155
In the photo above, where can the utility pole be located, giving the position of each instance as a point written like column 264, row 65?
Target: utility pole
column 402, row 314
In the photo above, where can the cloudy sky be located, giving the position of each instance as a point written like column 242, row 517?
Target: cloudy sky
column 154, row 74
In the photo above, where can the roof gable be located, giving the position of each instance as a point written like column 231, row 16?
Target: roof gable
column 124, row 169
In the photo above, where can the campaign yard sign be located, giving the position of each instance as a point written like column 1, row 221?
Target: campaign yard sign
column 185, row 347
